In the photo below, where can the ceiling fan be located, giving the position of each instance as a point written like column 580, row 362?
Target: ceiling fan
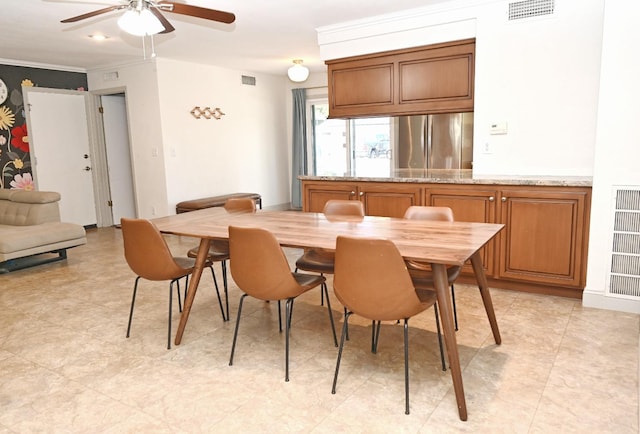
column 144, row 17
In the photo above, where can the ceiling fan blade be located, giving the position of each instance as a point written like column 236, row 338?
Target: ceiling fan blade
column 168, row 28
column 198, row 12
column 93, row 14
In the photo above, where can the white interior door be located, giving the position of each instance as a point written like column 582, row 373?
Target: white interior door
column 59, row 143
column 116, row 137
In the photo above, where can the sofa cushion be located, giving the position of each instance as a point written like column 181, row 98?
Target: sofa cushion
column 29, row 207
column 16, row 238
column 24, row 196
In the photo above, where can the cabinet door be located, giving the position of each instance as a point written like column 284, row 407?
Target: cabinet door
column 543, row 237
column 389, row 200
column 361, row 86
column 469, row 204
column 438, row 80
column 315, row 195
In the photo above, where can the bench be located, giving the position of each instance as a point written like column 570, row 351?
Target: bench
column 210, row 202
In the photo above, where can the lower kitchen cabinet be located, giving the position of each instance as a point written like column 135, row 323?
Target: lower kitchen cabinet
column 379, row 199
column 316, row 194
column 545, row 236
column 542, row 248
column 469, row 205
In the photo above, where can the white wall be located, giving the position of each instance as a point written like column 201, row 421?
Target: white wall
column 143, row 110
column 245, row 151
column 617, row 143
column 177, row 157
column 539, row 75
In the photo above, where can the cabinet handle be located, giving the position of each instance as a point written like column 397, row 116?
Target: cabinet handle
column 361, row 193
column 504, row 199
column 491, row 198
column 353, row 193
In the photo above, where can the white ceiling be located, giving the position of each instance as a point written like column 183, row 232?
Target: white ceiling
column 265, row 37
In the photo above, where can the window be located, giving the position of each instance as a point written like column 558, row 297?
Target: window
column 352, row 147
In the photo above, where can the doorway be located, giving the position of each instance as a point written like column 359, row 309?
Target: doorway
column 105, row 192
column 118, row 154
column 114, row 176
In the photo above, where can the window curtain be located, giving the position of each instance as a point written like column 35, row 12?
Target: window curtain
column 299, row 143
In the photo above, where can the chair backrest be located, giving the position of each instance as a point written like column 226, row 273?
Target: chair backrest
column 338, row 207
column 240, row 204
column 433, row 213
column 147, row 253
column 259, row 266
column 372, row 281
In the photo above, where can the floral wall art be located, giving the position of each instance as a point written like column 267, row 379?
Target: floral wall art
column 15, row 155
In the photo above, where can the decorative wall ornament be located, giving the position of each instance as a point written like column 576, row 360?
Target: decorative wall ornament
column 207, row 113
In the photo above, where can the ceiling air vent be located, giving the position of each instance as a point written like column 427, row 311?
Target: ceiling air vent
column 624, row 276
column 530, row 8
column 249, row 80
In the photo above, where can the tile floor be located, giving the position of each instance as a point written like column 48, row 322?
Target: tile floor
column 66, row 366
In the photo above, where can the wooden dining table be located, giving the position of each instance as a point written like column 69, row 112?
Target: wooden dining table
column 438, row 243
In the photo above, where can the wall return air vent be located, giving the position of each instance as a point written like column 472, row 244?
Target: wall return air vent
column 530, row 8
column 624, row 274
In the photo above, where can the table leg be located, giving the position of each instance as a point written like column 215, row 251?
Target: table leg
column 476, row 262
column 203, row 252
column 448, row 329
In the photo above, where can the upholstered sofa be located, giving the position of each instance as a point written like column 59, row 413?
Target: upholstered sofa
column 30, row 225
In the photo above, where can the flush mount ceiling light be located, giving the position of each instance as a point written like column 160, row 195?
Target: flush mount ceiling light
column 298, row 72
column 140, row 21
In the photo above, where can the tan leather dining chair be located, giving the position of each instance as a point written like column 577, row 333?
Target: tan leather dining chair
column 319, row 260
column 219, row 249
column 260, row 269
column 149, row 257
column 421, row 272
column 371, row 280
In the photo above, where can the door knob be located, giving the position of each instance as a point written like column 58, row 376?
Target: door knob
column 87, row 168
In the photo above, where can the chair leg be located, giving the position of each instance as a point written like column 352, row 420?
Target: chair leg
column 435, row 309
column 455, row 312
column 347, row 334
column 375, row 335
column 226, row 287
column 287, row 327
column 215, row 282
column 170, row 306
column 322, row 303
column 406, row 365
column 235, row 333
column 133, row 301
column 345, row 330
column 185, row 295
column 279, row 317
column 323, row 288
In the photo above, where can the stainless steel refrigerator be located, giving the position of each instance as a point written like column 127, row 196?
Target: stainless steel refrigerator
column 439, row 141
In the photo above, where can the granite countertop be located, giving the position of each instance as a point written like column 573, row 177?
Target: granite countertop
column 464, row 176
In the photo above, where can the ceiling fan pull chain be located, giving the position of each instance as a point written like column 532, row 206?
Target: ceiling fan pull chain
column 153, row 48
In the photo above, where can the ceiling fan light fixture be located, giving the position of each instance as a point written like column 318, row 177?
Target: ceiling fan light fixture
column 140, row 22
column 298, row 72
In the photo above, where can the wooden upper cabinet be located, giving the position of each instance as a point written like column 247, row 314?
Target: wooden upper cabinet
column 432, row 79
